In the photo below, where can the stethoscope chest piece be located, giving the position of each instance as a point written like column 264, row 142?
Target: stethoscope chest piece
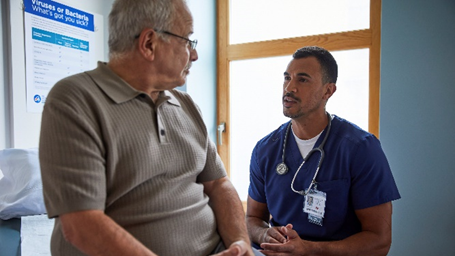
column 281, row 168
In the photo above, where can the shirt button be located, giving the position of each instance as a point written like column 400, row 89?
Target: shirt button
column 162, row 132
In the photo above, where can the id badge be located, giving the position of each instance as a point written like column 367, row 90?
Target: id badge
column 314, row 205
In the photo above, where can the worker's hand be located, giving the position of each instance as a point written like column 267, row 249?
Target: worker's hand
column 292, row 246
column 239, row 248
column 273, row 235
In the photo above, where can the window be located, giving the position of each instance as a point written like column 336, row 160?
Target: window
column 254, row 50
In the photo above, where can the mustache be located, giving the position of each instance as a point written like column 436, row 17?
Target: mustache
column 291, row 95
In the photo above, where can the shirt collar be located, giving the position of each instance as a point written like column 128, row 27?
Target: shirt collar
column 170, row 97
column 119, row 90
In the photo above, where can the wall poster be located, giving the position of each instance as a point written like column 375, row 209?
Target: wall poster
column 58, row 43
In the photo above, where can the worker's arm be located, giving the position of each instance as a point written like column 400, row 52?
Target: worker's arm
column 257, row 221
column 373, row 240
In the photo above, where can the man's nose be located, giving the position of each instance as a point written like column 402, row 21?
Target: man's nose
column 193, row 55
column 290, row 86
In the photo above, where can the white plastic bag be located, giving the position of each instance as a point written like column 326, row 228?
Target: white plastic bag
column 21, row 189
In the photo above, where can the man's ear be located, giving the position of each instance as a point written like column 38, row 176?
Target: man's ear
column 330, row 90
column 147, row 42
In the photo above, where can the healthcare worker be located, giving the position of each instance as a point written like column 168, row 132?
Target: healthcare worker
column 319, row 185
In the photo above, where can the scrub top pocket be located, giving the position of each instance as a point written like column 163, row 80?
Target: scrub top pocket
column 337, row 192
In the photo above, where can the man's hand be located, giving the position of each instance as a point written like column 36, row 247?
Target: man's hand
column 273, row 235
column 293, row 245
column 239, row 248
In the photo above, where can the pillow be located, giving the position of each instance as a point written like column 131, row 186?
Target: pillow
column 21, row 190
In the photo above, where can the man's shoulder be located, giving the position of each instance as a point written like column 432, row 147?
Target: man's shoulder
column 349, row 131
column 72, row 84
column 351, row 138
column 82, row 81
column 275, row 136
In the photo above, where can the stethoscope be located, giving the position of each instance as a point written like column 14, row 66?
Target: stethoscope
column 282, row 168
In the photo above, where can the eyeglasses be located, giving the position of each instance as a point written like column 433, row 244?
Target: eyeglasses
column 192, row 43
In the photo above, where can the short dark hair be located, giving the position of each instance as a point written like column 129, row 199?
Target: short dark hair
column 328, row 63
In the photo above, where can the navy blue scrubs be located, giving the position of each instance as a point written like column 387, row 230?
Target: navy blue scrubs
column 354, row 175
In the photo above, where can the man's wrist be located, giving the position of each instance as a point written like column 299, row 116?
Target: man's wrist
column 263, row 236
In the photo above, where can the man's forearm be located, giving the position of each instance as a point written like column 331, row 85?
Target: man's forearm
column 363, row 243
column 94, row 233
column 228, row 209
column 374, row 239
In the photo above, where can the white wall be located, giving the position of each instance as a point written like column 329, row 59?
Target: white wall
column 201, row 84
column 2, row 87
column 18, row 127
column 3, row 98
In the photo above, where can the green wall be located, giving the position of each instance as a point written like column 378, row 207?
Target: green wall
column 418, row 120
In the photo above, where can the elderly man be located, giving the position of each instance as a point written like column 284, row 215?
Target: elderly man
column 127, row 165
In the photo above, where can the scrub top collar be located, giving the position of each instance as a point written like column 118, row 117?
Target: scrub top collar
column 294, row 156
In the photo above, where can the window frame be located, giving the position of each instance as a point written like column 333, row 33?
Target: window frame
column 347, row 40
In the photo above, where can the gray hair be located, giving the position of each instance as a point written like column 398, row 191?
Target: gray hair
column 129, row 17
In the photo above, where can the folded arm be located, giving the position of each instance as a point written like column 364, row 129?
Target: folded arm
column 374, row 239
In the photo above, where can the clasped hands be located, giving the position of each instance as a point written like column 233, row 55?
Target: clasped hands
column 282, row 241
column 277, row 241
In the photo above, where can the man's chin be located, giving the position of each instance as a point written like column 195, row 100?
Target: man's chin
column 290, row 115
column 182, row 82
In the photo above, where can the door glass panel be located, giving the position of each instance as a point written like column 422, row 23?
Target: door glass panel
column 259, row 20
column 256, row 109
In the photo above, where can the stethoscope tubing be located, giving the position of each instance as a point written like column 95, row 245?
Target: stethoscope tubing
column 320, row 148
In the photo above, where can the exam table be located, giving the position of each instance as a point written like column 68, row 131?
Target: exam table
column 10, row 237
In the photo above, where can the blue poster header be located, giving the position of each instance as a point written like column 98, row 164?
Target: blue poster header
column 61, row 13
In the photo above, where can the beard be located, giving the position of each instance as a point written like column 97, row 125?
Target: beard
column 290, row 115
column 287, row 111
column 299, row 110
